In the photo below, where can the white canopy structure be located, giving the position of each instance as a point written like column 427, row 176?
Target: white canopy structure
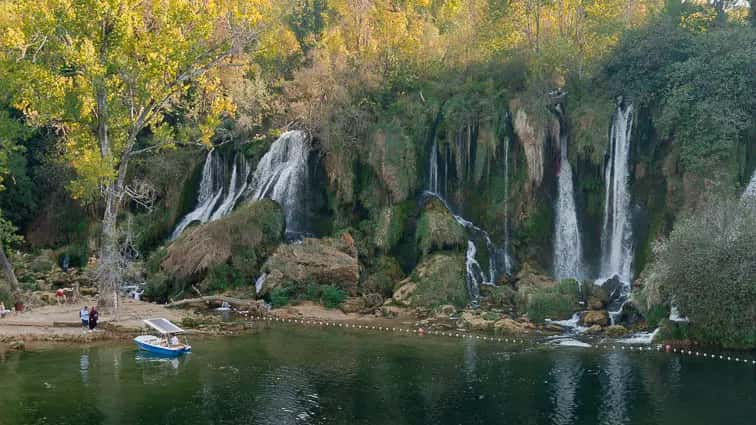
column 163, row 326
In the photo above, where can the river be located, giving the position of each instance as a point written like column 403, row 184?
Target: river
column 286, row 375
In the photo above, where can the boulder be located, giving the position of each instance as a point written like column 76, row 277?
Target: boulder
column 595, row 303
column 439, row 279
column 353, row 305
column 322, row 261
column 384, row 273
column 595, row 317
column 403, row 294
column 250, row 233
column 437, row 230
column 510, row 327
column 595, row 329
column 616, row 331
column 473, row 322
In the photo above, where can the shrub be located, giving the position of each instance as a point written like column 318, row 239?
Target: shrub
column 708, row 266
column 558, row 302
column 223, row 277
column 160, row 287
column 279, row 297
column 333, row 296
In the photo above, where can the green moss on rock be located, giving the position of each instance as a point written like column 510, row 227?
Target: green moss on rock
column 437, row 230
column 245, row 238
column 440, row 279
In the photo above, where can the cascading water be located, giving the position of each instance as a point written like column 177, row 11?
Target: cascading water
column 210, row 191
column 617, row 238
column 568, row 252
column 236, row 187
column 282, row 176
column 750, row 191
column 476, row 276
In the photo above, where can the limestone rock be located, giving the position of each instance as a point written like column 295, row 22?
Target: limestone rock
column 616, row 331
column 437, row 230
column 440, row 279
column 322, row 261
column 403, row 295
column 257, row 227
column 353, row 305
column 595, row 329
column 594, row 317
column 510, row 327
column 473, row 322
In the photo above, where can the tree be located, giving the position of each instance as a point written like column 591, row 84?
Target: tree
column 106, row 74
column 708, row 268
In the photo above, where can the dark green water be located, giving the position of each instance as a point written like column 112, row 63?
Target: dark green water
column 310, row 376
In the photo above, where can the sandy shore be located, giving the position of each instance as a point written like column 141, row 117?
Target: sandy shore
column 61, row 322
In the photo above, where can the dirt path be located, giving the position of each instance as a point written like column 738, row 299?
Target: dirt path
column 61, row 322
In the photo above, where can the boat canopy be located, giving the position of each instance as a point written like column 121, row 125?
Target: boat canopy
column 164, row 326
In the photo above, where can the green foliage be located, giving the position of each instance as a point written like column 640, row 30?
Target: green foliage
column 332, row 296
column 438, row 230
column 161, row 287
column 554, row 303
column 707, row 267
column 279, row 297
column 155, row 259
column 655, row 315
column 222, row 278
column 440, row 279
column 77, row 253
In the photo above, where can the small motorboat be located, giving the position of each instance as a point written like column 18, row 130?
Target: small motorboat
column 166, row 343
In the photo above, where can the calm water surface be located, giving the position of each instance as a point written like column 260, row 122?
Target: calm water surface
column 309, row 376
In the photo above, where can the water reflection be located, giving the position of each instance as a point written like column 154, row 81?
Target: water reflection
column 616, row 378
column 287, row 397
column 565, row 375
column 84, row 368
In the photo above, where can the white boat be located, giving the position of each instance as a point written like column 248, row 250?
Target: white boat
column 166, row 343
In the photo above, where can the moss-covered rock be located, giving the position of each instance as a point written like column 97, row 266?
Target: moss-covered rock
column 327, row 261
column 591, row 318
column 440, row 279
column 556, row 303
column 437, row 230
column 244, row 238
column 382, row 276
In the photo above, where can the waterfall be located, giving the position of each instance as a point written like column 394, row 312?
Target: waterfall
column 507, row 258
column 210, row 191
column 236, row 187
column 282, row 176
column 475, row 274
column 617, row 239
column 568, row 252
column 750, row 191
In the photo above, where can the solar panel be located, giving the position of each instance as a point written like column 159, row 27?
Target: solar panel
column 164, row 326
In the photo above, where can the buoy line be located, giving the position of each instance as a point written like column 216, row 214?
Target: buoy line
column 614, row 346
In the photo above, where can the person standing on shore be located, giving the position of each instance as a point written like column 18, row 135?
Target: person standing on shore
column 84, row 316
column 93, row 316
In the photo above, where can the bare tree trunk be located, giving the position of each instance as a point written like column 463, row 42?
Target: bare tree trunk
column 10, row 277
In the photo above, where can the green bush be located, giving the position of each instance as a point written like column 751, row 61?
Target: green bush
column 332, row 296
column 160, row 287
column 78, row 255
column 555, row 303
column 312, row 292
column 707, row 267
column 223, row 277
column 155, row 259
column 279, row 297
column 655, row 315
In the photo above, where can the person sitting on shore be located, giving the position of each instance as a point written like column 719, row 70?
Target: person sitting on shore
column 60, row 296
column 3, row 311
column 84, row 316
column 93, row 317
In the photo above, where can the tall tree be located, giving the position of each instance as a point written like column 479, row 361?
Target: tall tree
column 106, row 73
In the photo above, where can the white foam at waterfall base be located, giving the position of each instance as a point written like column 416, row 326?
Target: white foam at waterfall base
column 568, row 252
column 210, row 191
column 750, row 190
column 282, row 176
column 616, row 238
column 640, row 338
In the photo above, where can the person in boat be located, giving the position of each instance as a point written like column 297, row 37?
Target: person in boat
column 84, row 316
column 94, row 315
column 174, row 341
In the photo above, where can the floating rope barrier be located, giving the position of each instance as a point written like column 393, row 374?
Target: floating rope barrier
column 613, row 346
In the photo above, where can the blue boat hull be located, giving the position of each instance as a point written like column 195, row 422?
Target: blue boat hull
column 162, row 351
